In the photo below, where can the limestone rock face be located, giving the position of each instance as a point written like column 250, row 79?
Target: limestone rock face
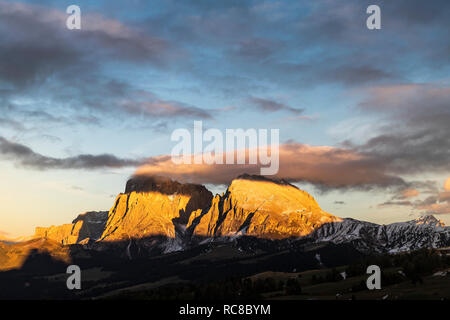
column 263, row 208
column 153, row 206
column 89, row 225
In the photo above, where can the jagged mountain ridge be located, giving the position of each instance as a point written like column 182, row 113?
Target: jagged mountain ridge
column 154, row 206
column 159, row 213
column 87, row 226
column 261, row 208
column 424, row 232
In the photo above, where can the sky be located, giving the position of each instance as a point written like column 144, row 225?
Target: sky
column 363, row 114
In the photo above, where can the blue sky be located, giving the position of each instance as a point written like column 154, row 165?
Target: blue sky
column 137, row 70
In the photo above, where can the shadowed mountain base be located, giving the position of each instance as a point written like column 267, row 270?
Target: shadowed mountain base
column 105, row 271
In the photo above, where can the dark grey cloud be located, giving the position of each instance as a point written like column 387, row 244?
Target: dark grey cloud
column 412, row 139
column 11, row 123
column 42, row 46
column 414, row 131
column 61, row 70
column 24, row 156
column 254, row 41
column 436, row 204
column 357, row 74
column 166, row 109
column 256, row 48
column 258, row 40
column 29, row 120
column 269, row 105
column 395, row 203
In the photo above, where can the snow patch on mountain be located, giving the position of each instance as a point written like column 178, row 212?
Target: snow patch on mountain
column 424, row 232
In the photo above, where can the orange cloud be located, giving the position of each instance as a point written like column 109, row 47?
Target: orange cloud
column 447, row 185
column 321, row 165
column 438, row 204
column 409, row 193
column 436, row 208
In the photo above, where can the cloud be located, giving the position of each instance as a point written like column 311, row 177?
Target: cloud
column 255, row 43
column 408, row 193
column 326, row 167
column 434, row 208
column 256, row 48
column 269, row 105
column 165, row 109
column 411, row 137
column 42, row 45
column 413, row 128
column 356, row 74
column 299, row 45
column 395, row 203
column 444, row 196
column 437, row 203
column 50, row 73
column 23, row 156
column 447, row 185
column 11, row 123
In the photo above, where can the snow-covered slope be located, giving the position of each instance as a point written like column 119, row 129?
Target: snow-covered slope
column 424, row 232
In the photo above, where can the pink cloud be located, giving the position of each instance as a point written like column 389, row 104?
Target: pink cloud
column 447, row 185
column 409, row 193
column 321, row 165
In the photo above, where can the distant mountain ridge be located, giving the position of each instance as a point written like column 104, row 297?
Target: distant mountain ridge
column 6, row 239
column 424, row 232
column 87, row 226
column 157, row 213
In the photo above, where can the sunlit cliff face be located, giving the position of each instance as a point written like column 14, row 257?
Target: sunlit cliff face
column 263, row 209
column 266, row 196
column 157, row 206
column 139, row 215
column 252, row 205
column 14, row 256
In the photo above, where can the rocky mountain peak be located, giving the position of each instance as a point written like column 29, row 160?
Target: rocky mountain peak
column 253, row 177
column 429, row 220
column 87, row 226
column 261, row 207
column 154, row 206
column 164, row 185
column 92, row 217
column 275, row 196
column 159, row 213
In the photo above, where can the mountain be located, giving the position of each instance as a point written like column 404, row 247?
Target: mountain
column 263, row 208
column 153, row 206
column 14, row 255
column 162, row 232
column 4, row 236
column 424, row 232
column 87, row 226
column 6, row 239
column 158, row 215
column 428, row 220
